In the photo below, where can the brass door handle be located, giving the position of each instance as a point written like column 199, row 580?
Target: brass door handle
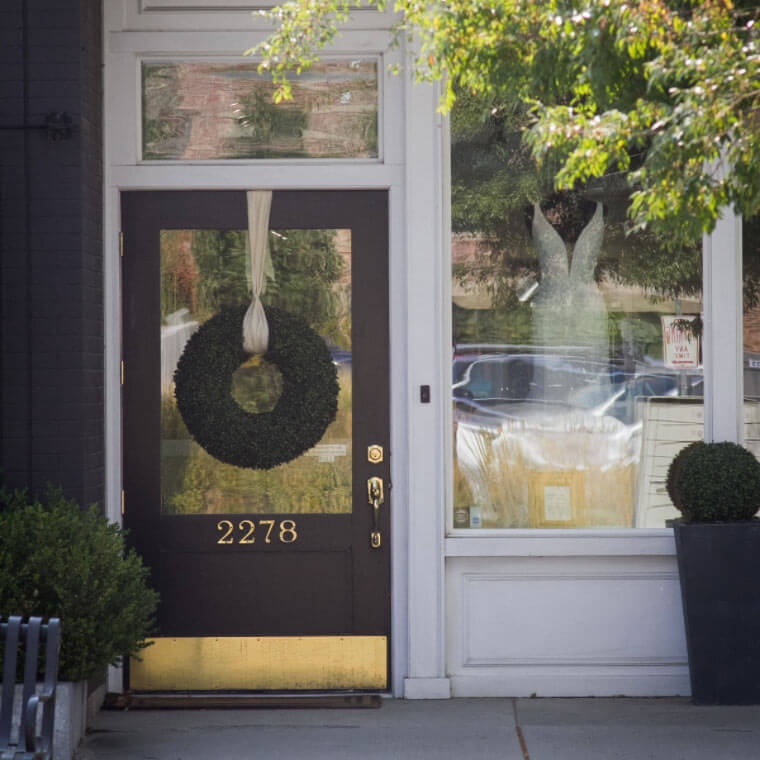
column 376, row 497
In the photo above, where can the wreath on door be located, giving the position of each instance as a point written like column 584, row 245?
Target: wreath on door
column 308, row 402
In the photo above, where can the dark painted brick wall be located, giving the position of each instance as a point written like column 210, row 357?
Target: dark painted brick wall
column 51, row 338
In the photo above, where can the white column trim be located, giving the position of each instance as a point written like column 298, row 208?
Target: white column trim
column 723, row 330
column 427, row 334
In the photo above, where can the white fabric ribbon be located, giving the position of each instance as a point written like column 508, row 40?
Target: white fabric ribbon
column 255, row 327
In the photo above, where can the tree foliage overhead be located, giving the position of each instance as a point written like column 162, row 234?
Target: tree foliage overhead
column 494, row 184
column 662, row 92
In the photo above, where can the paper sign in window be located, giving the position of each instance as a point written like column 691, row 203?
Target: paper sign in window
column 557, row 504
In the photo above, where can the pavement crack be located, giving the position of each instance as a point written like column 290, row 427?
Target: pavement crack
column 520, row 737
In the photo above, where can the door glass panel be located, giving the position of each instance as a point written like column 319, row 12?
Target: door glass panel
column 204, row 111
column 309, row 275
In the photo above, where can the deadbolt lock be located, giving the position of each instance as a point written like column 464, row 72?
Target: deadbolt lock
column 374, row 454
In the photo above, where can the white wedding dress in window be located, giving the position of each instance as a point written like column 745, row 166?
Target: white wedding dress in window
column 568, row 309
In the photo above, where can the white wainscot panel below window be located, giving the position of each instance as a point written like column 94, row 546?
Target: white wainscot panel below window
column 565, row 627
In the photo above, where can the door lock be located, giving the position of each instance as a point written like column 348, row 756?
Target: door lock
column 376, row 497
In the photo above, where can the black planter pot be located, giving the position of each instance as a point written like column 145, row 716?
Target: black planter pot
column 719, row 566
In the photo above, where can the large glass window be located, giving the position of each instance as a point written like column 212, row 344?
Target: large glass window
column 577, row 370
column 751, row 279
column 204, row 111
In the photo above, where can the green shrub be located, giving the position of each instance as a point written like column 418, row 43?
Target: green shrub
column 57, row 559
column 715, row 482
column 674, row 471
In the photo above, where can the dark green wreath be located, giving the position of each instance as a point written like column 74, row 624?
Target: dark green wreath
column 203, row 388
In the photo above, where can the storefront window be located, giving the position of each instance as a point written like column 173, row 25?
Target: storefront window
column 577, row 369
column 751, row 280
column 204, row 111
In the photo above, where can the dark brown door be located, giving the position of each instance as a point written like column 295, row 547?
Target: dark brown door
column 240, row 555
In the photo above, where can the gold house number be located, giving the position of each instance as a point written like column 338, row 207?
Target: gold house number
column 285, row 532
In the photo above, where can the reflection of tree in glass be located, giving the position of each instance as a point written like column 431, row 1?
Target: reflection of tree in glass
column 495, row 183
column 164, row 126
column 367, row 131
column 494, row 180
column 751, row 261
column 179, row 273
column 205, row 270
column 495, row 186
column 221, row 259
column 270, row 123
column 307, row 267
column 492, row 325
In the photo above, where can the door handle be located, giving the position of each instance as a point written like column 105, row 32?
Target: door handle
column 376, row 497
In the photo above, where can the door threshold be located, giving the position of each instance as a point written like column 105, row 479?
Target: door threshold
column 232, row 701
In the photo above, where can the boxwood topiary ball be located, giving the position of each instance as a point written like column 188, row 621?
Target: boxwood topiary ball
column 718, row 482
column 674, row 472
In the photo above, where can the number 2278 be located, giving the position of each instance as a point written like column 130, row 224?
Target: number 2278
column 269, row 530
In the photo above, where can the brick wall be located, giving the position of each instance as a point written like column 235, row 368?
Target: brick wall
column 51, row 339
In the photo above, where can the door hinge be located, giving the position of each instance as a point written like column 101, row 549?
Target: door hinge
column 122, row 501
column 122, row 371
column 121, row 244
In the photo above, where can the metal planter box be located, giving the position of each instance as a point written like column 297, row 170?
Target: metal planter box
column 719, row 566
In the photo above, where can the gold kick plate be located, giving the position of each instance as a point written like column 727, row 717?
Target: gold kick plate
column 261, row 662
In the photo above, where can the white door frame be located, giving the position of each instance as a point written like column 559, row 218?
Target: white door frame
column 409, row 169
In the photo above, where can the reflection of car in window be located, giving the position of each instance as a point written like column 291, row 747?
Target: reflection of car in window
column 619, row 401
column 340, row 356
column 522, row 377
column 460, row 364
column 522, row 384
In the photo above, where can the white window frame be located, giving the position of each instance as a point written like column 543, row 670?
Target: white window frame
column 723, row 404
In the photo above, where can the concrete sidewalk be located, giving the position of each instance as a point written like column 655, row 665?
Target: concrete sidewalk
column 461, row 729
